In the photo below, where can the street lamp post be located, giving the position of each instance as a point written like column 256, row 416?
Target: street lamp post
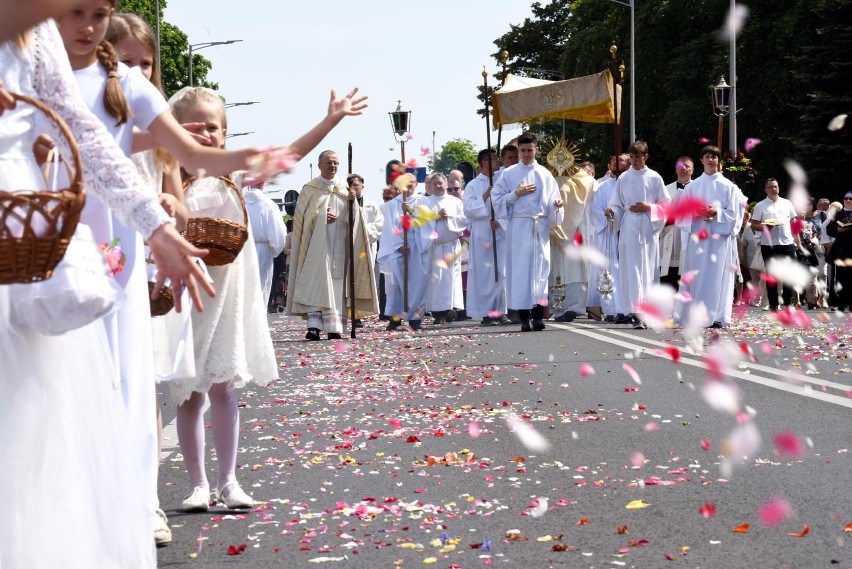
column 204, row 45
column 401, row 124
column 720, row 96
column 632, row 5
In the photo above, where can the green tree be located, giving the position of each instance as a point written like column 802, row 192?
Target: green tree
column 174, row 49
column 821, row 70
column 451, row 153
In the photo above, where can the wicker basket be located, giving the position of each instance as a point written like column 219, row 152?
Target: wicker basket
column 222, row 237
column 164, row 303
column 36, row 226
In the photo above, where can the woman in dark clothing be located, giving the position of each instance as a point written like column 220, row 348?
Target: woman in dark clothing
column 841, row 250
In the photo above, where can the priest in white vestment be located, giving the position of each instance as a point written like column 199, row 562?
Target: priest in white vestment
column 530, row 195
column 318, row 287
column 711, row 249
column 486, row 283
column 635, row 207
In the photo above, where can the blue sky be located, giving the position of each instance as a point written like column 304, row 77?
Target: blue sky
column 429, row 55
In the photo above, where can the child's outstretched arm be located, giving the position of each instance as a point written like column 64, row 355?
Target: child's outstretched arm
column 193, row 156
column 350, row 105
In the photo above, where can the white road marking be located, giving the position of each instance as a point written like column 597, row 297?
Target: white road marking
column 804, row 391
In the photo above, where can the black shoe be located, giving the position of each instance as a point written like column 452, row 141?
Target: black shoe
column 717, row 324
column 415, row 325
column 609, row 318
column 568, row 316
column 393, row 325
column 451, row 316
column 622, row 319
column 525, row 326
column 439, row 320
column 358, row 323
column 538, row 325
column 313, row 334
column 487, row 321
column 334, row 336
column 639, row 325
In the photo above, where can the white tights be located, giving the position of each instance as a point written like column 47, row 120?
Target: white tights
column 225, row 419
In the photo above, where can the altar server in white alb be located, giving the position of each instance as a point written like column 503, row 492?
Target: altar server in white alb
column 604, row 238
column 636, row 212
column 269, row 232
column 711, row 253
column 530, row 195
column 486, row 295
column 445, row 286
column 392, row 253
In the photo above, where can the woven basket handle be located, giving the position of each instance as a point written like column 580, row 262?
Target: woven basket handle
column 77, row 180
column 230, row 184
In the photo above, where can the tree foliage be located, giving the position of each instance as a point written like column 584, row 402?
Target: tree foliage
column 174, row 49
column 784, row 100
column 451, row 153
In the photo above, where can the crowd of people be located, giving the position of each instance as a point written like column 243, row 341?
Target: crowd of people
column 518, row 243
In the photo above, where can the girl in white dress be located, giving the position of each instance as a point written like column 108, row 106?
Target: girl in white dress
column 62, row 421
column 232, row 341
column 136, row 47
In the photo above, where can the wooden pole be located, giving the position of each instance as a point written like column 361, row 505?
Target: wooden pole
column 490, row 179
column 352, row 203
column 404, row 239
column 613, row 69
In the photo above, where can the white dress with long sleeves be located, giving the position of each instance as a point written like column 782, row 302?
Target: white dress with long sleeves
column 232, row 340
column 392, row 263
column 269, row 232
column 129, row 328
column 63, row 438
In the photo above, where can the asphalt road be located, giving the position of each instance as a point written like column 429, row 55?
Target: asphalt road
column 394, row 450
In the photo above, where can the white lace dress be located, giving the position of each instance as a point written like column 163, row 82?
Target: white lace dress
column 232, row 341
column 68, row 476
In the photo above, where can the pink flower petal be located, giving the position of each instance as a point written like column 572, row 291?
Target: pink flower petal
column 632, row 373
column 707, row 510
column 774, row 512
column 473, row 429
column 586, row 370
column 751, row 143
column 789, row 444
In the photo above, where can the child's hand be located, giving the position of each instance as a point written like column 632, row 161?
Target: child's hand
column 169, row 203
column 41, row 148
column 270, row 162
column 347, row 106
column 7, row 102
column 194, row 129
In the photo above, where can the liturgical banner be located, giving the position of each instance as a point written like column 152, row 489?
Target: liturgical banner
column 584, row 99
